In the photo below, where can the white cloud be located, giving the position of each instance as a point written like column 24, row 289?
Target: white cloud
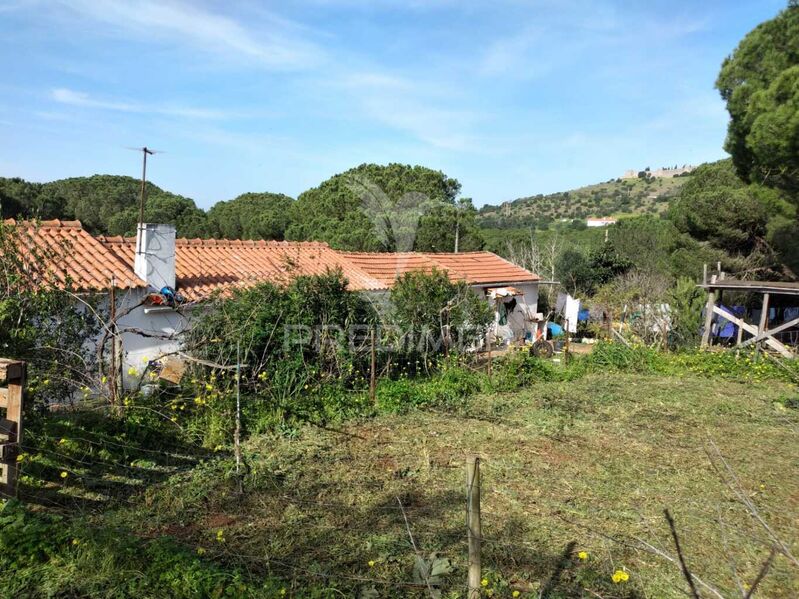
column 271, row 42
column 76, row 98
column 425, row 111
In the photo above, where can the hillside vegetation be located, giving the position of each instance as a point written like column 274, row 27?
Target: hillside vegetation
column 612, row 198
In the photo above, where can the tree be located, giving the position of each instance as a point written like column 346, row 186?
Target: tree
column 439, row 229
column 373, row 207
column 574, row 272
column 105, row 204
column 759, row 82
column 648, row 242
column 251, row 216
column 605, row 263
column 161, row 207
column 716, row 206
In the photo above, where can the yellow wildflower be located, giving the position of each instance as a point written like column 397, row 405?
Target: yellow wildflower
column 484, row 582
column 200, row 551
column 583, row 555
column 620, row 576
column 220, row 535
column 64, row 474
column 282, row 591
column 516, row 593
column 21, row 457
column 132, row 371
column 371, row 563
column 76, row 541
column 62, row 441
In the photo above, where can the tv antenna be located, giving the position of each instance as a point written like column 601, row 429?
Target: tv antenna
column 143, row 192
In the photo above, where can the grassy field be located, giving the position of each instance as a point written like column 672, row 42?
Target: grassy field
column 586, row 466
column 578, row 463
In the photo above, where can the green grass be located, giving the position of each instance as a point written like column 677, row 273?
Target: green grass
column 581, row 459
column 562, row 463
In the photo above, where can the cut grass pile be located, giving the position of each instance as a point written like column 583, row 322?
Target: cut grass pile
column 568, row 467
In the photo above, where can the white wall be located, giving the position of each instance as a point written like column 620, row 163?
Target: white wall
column 518, row 320
column 161, row 327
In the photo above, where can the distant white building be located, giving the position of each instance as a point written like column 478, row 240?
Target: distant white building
column 600, row 222
column 661, row 173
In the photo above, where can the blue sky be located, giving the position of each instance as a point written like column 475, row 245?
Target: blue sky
column 511, row 97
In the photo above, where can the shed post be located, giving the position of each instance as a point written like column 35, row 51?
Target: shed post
column 763, row 321
column 711, row 303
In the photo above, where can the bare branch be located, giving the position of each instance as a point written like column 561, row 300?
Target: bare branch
column 684, row 566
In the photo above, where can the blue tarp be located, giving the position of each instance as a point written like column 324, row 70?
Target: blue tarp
column 726, row 329
column 555, row 329
column 583, row 315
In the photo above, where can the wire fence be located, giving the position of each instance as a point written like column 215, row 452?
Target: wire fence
column 81, row 475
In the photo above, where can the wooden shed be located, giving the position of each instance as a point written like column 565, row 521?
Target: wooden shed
column 781, row 297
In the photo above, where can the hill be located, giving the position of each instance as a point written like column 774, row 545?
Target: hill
column 612, row 198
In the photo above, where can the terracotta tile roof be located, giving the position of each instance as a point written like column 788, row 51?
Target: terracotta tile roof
column 63, row 252
column 386, row 267
column 476, row 268
column 205, row 265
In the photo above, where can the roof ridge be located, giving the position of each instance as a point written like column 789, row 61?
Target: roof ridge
column 49, row 224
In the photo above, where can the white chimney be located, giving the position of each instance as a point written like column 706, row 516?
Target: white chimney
column 155, row 255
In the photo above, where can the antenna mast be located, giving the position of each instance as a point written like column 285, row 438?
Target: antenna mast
column 143, row 192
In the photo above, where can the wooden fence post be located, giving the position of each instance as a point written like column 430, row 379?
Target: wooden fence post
column 112, row 376
column 488, row 343
column 473, row 523
column 13, row 372
column 373, row 367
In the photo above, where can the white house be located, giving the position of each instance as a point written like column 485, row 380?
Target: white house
column 148, row 271
column 600, row 222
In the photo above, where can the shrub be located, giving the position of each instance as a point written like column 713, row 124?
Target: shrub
column 427, row 305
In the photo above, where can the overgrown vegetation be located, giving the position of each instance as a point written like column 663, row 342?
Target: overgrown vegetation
column 39, row 321
column 597, row 446
column 639, row 196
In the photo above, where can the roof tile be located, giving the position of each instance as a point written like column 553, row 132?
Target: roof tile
column 205, row 265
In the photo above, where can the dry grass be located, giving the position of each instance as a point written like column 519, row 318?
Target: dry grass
column 567, row 467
